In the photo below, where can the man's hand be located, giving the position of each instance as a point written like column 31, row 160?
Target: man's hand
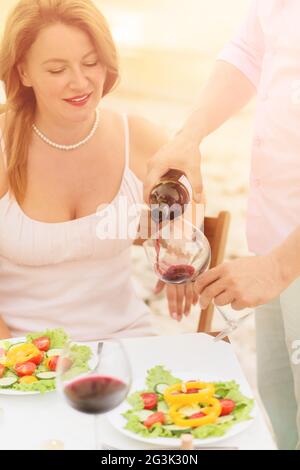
column 179, row 154
column 244, row 282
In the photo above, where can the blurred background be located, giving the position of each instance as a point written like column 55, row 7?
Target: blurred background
column 167, row 49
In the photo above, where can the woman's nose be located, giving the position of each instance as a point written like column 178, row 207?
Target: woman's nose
column 78, row 80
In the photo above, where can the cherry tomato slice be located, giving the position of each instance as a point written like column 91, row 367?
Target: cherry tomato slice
column 42, row 343
column 2, row 352
column 227, row 406
column 158, row 417
column 52, row 363
column 38, row 358
column 150, row 400
column 197, row 415
column 25, row 368
column 2, row 369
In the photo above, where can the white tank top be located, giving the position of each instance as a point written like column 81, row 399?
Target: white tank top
column 62, row 275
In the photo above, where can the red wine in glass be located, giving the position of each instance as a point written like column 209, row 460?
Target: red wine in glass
column 175, row 274
column 95, row 394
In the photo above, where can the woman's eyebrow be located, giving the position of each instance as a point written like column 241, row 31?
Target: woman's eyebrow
column 63, row 60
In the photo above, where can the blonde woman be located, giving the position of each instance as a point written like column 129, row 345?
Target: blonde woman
column 61, row 158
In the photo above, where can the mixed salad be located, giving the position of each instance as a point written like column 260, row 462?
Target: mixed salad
column 169, row 406
column 30, row 365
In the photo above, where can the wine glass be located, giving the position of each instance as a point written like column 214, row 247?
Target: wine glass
column 178, row 254
column 100, row 389
column 182, row 256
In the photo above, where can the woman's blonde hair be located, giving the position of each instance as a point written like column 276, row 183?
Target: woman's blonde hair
column 23, row 25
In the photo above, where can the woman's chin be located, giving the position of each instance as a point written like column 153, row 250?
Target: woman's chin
column 79, row 114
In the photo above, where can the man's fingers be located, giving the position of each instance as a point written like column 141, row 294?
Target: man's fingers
column 223, row 299
column 238, row 305
column 153, row 176
column 210, row 292
column 206, row 279
column 195, row 178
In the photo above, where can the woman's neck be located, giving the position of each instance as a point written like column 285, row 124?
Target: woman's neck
column 62, row 131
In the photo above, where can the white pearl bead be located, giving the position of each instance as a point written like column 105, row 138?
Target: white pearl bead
column 73, row 146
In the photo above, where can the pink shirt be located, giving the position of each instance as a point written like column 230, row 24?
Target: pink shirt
column 267, row 51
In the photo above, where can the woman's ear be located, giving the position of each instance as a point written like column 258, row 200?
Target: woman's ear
column 24, row 75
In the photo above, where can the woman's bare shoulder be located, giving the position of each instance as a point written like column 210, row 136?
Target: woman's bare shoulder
column 146, row 135
column 146, row 138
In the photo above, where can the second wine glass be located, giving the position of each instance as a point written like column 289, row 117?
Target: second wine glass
column 100, row 389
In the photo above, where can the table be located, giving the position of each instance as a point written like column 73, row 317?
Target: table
column 28, row 421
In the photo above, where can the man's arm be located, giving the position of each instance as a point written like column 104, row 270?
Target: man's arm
column 227, row 91
column 229, row 88
column 252, row 281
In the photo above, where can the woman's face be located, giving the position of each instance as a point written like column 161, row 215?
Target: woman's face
column 62, row 66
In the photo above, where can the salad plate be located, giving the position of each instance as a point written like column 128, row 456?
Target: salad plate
column 147, row 414
column 28, row 364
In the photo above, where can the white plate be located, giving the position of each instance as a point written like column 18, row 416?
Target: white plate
column 118, row 421
column 9, row 391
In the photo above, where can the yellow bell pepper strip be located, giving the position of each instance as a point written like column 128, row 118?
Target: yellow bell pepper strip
column 20, row 353
column 212, row 412
column 206, row 390
column 28, row 379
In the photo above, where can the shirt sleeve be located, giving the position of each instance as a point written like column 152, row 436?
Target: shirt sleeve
column 246, row 50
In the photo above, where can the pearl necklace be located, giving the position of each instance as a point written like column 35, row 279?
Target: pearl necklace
column 69, row 147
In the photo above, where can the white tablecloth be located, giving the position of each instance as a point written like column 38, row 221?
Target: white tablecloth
column 26, row 422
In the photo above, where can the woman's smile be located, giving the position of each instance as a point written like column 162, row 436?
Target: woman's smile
column 79, row 100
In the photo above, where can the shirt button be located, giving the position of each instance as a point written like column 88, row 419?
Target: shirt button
column 257, row 141
column 256, row 182
column 273, row 50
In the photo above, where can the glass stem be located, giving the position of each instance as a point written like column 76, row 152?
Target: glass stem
column 98, row 446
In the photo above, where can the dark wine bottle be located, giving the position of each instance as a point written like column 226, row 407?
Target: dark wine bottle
column 169, row 197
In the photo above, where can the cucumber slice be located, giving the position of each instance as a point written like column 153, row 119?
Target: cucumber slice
column 162, row 406
column 160, row 388
column 54, row 352
column 8, row 381
column 177, row 429
column 224, row 419
column 143, row 414
column 46, row 375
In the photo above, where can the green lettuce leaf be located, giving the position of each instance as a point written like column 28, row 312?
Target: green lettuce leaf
column 41, row 386
column 212, row 430
column 135, row 401
column 134, row 425
column 159, row 375
column 58, row 337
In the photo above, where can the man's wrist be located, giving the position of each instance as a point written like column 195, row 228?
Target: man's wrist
column 190, row 135
column 194, row 129
column 285, row 268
